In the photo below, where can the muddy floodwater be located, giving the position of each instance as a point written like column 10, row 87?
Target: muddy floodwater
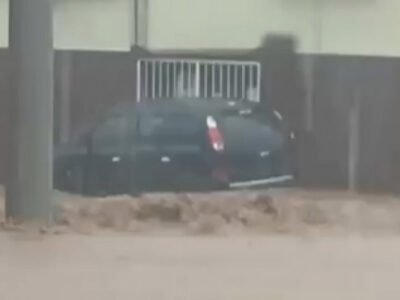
column 124, row 267
column 285, row 245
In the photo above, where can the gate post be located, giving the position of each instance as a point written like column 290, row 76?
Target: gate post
column 197, row 80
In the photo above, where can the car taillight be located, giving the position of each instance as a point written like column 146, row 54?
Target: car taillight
column 214, row 135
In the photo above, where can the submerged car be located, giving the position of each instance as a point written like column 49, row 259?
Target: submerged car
column 177, row 145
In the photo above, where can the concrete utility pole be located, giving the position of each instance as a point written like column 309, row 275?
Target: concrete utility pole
column 29, row 187
column 65, row 95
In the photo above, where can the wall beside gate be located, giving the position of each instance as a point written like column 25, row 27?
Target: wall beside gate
column 340, row 81
column 98, row 82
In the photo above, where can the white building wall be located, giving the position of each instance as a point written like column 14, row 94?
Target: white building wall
column 361, row 27
column 367, row 27
column 92, row 24
column 224, row 24
column 84, row 24
column 3, row 23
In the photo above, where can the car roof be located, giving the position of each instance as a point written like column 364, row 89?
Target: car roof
column 193, row 106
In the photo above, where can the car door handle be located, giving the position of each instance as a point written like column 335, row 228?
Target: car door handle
column 116, row 159
column 165, row 159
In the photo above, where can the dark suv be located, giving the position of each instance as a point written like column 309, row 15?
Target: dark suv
column 175, row 146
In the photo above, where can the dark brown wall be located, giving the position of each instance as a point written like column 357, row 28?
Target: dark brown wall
column 340, row 80
column 100, row 80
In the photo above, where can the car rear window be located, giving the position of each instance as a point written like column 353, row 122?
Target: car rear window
column 168, row 128
column 244, row 134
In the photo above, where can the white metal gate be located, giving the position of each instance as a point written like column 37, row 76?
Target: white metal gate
column 199, row 79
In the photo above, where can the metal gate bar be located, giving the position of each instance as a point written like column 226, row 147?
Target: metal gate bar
column 159, row 79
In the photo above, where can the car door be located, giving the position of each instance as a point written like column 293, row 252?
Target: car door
column 169, row 147
column 181, row 144
column 111, row 155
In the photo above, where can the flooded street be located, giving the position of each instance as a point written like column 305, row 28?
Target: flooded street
column 199, row 150
column 111, row 266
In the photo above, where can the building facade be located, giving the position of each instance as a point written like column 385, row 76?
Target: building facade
column 349, row 50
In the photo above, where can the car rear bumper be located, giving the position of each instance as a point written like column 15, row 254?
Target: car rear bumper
column 272, row 181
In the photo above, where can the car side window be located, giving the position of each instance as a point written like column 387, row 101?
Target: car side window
column 149, row 125
column 113, row 136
